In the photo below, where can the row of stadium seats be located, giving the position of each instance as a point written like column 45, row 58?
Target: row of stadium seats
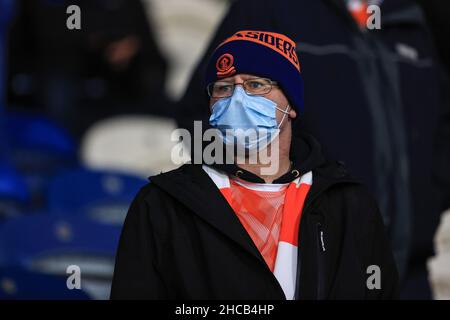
column 55, row 213
column 63, row 204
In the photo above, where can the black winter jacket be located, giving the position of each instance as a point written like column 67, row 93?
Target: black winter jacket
column 182, row 240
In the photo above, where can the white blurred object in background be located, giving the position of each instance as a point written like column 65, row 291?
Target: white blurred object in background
column 439, row 265
column 130, row 144
column 183, row 29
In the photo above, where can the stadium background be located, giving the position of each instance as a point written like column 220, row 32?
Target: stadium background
column 85, row 117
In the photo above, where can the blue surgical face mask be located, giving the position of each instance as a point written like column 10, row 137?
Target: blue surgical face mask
column 233, row 116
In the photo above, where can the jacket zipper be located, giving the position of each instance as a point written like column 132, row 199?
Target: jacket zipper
column 297, row 277
column 320, row 262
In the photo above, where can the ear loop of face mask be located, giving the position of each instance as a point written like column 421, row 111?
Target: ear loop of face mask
column 285, row 112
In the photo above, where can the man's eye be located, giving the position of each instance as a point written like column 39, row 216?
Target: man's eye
column 254, row 84
column 223, row 88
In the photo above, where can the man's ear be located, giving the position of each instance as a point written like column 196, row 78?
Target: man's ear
column 292, row 114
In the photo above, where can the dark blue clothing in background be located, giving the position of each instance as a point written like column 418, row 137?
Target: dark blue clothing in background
column 6, row 12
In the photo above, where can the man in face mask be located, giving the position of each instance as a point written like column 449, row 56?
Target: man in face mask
column 226, row 231
column 252, row 103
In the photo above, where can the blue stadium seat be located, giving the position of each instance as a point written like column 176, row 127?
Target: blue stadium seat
column 48, row 244
column 12, row 185
column 103, row 196
column 19, row 284
column 14, row 194
column 36, row 133
column 38, row 149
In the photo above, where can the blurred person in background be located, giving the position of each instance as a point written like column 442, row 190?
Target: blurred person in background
column 376, row 99
column 6, row 13
column 111, row 66
column 438, row 13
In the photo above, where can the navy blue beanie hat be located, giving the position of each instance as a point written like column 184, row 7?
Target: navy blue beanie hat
column 264, row 54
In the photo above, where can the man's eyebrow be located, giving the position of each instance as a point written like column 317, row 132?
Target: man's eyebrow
column 224, row 81
column 252, row 78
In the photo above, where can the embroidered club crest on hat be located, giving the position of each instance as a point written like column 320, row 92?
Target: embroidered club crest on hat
column 225, row 66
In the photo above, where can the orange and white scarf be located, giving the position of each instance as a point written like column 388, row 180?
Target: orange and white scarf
column 271, row 215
